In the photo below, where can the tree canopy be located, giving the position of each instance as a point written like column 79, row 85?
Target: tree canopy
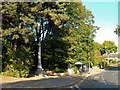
column 110, row 46
column 65, row 30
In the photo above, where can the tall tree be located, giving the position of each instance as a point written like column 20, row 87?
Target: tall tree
column 99, row 50
column 81, row 32
column 17, row 39
column 109, row 47
column 63, row 31
column 51, row 17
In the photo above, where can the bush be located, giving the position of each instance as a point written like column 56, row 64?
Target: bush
column 57, row 70
column 18, row 63
column 108, row 64
column 114, row 61
column 103, row 63
column 75, row 69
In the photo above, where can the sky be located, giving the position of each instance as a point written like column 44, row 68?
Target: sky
column 106, row 17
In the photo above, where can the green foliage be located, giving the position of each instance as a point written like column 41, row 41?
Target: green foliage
column 80, row 33
column 100, row 49
column 108, row 64
column 110, row 46
column 65, row 30
column 17, row 39
column 74, row 41
column 98, row 55
column 98, row 58
column 114, row 61
column 117, row 31
column 18, row 63
column 102, row 63
column 75, row 69
column 54, row 52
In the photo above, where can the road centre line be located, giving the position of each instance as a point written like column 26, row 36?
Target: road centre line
column 103, row 79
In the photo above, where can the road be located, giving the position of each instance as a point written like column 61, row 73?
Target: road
column 106, row 79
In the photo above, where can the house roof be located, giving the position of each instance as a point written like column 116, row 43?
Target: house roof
column 111, row 55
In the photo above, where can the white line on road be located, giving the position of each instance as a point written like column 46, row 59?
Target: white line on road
column 103, row 79
column 71, row 86
column 76, row 86
column 113, row 74
column 96, row 78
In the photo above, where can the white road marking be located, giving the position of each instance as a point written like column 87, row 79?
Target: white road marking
column 103, row 79
column 71, row 86
column 113, row 74
column 76, row 86
column 96, row 77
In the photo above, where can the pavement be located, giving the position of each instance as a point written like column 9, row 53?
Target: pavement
column 58, row 82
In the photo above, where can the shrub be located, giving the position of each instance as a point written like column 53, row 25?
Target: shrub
column 18, row 63
column 114, row 61
column 75, row 69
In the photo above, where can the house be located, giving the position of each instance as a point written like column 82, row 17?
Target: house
column 110, row 57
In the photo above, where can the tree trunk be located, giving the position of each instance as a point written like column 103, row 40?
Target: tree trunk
column 39, row 48
column 39, row 55
column 39, row 67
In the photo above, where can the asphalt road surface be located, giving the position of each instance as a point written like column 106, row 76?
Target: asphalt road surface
column 107, row 80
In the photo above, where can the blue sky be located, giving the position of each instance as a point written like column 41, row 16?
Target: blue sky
column 106, row 17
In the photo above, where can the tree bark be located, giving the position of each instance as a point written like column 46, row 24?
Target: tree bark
column 39, row 48
column 40, row 70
